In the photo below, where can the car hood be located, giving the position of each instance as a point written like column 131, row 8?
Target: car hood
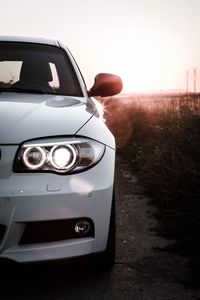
column 29, row 116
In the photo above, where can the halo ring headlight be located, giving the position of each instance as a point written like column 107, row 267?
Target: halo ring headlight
column 63, row 157
column 34, row 157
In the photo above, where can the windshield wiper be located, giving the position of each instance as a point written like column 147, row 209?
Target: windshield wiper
column 22, row 90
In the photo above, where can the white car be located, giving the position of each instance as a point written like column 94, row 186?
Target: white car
column 57, row 157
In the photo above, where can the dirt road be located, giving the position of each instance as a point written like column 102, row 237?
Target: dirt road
column 143, row 272
column 140, row 272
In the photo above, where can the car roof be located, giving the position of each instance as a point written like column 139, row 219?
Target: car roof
column 22, row 39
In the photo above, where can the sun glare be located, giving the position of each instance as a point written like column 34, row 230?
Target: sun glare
column 144, row 70
column 144, row 62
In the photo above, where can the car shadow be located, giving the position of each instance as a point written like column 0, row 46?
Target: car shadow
column 75, row 280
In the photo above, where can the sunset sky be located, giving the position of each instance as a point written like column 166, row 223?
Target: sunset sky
column 149, row 43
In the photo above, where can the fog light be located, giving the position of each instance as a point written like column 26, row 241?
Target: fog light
column 82, row 227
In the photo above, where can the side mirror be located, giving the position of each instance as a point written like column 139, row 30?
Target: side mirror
column 106, row 85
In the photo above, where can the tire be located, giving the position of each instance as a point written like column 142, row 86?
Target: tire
column 106, row 260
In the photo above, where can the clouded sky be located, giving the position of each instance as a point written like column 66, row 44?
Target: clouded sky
column 149, row 43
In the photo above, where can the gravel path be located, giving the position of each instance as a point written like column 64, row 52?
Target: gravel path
column 145, row 273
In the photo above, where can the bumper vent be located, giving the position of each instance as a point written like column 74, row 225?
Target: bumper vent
column 2, row 231
column 52, row 231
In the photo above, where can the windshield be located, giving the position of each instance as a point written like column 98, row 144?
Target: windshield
column 32, row 68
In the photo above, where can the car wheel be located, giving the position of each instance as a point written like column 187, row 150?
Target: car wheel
column 106, row 260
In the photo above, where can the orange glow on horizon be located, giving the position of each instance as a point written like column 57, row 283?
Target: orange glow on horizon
column 144, row 65
column 146, row 62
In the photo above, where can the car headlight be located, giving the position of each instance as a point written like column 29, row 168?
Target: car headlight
column 62, row 156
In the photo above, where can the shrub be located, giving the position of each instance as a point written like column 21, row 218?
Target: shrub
column 163, row 150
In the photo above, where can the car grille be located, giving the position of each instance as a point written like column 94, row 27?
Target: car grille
column 2, row 231
column 51, row 231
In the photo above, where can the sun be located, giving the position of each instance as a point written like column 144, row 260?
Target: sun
column 143, row 61
column 143, row 69
column 146, row 61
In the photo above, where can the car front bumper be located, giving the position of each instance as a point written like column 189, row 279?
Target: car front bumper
column 46, row 197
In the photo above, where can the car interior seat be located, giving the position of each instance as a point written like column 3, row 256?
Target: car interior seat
column 35, row 74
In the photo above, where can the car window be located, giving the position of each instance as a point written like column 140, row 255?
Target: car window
column 55, row 79
column 9, row 71
column 37, row 67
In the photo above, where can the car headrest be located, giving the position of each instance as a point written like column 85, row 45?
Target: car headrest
column 36, row 70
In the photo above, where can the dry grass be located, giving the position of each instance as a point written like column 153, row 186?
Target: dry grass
column 160, row 137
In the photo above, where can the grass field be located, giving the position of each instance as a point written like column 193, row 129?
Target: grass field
column 160, row 137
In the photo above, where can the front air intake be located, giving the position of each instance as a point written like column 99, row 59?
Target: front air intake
column 56, row 230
